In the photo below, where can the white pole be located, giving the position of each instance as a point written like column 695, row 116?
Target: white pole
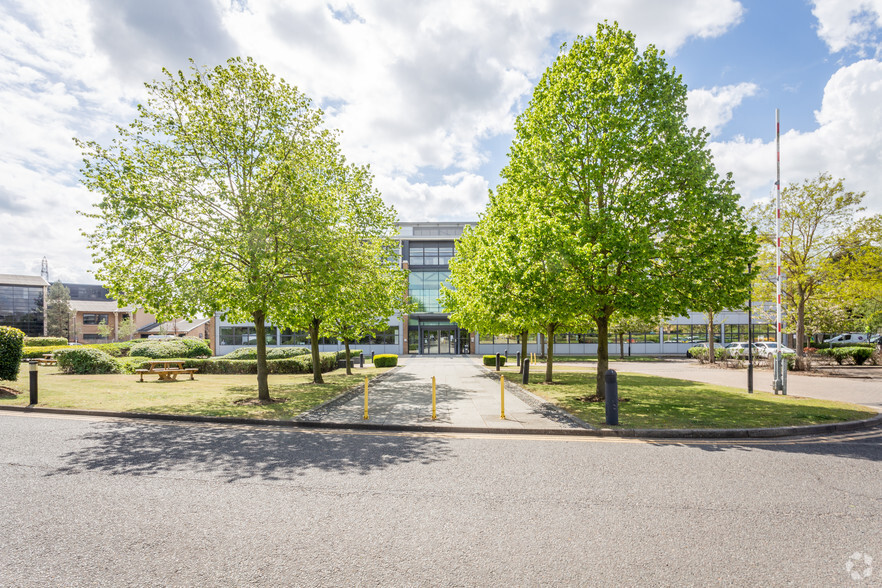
column 779, row 376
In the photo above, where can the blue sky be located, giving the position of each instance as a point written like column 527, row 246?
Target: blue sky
column 426, row 92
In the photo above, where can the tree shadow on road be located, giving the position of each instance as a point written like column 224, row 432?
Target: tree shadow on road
column 236, row 453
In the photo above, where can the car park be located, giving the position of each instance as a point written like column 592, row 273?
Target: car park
column 738, row 348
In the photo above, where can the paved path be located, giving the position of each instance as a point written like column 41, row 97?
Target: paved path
column 857, row 390
column 466, row 396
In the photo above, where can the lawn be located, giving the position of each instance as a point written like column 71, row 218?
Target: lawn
column 666, row 403
column 207, row 395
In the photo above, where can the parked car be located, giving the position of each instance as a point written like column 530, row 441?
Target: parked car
column 704, row 345
column 770, row 348
column 738, row 348
column 847, row 338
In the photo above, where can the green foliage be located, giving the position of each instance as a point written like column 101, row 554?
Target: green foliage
column 702, row 354
column 35, row 352
column 45, row 341
column 274, row 353
column 11, row 343
column 490, row 360
column 164, row 349
column 859, row 354
column 85, row 360
column 385, row 360
column 58, row 312
column 301, row 364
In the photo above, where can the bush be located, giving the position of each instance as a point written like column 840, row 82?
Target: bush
column 271, row 353
column 861, row 354
column 702, row 354
column 118, row 349
column 301, row 364
column 170, row 348
column 44, row 341
column 35, row 352
column 11, row 344
column 85, row 360
column 490, row 360
column 385, row 360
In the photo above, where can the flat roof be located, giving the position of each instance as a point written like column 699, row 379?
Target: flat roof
column 15, row 280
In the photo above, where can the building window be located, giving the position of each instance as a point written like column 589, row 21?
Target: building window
column 94, row 319
column 425, row 287
column 430, row 255
column 92, row 337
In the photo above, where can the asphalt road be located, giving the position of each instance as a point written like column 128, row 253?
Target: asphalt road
column 107, row 502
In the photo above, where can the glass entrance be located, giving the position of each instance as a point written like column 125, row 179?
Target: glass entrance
column 438, row 340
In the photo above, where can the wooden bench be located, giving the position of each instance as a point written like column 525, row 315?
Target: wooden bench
column 168, row 371
column 46, row 361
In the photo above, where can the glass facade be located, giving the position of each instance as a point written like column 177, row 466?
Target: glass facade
column 425, row 288
column 22, row 307
column 430, row 254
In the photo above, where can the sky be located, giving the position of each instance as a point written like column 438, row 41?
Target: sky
column 426, row 91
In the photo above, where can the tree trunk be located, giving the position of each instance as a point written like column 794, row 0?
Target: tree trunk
column 523, row 350
column 800, row 327
column 541, row 338
column 710, row 338
column 314, row 343
column 549, row 364
column 262, row 378
column 602, row 354
column 348, row 367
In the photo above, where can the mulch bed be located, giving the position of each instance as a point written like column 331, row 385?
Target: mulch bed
column 596, row 398
column 8, row 392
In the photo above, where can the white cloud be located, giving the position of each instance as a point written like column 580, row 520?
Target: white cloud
column 847, row 142
column 846, row 24
column 713, row 108
column 419, row 90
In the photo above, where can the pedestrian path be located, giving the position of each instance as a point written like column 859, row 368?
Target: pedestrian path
column 467, row 396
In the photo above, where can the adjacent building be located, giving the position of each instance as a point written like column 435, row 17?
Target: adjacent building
column 23, row 303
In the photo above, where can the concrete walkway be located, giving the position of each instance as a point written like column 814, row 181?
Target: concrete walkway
column 467, row 396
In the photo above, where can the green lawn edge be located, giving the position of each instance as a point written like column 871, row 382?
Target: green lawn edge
column 211, row 395
column 655, row 402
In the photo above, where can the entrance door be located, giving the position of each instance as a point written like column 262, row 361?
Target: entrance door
column 438, row 341
column 447, row 341
column 430, row 342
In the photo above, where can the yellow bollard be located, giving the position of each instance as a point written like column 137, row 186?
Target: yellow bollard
column 502, row 396
column 434, row 416
column 365, row 398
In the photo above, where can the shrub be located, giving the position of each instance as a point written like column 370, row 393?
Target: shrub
column 861, row 354
column 385, row 360
column 11, row 343
column 170, row 348
column 85, row 360
column 272, row 353
column 44, row 341
column 118, row 349
column 35, row 352
column 490, row 360
column 301, row 364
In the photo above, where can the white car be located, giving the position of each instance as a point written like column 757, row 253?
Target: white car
column 847, row 338
column 737, row 348
column 770, row 348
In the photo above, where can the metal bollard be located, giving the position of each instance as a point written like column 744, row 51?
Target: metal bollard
column 519, row 359
column 372, row 357
column 361, row 360
column 497, row 362
column 33, row 382
column 525, row 377
column 612, row 397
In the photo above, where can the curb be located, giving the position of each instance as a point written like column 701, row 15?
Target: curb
column 760, row 433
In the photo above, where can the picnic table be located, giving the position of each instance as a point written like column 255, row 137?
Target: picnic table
column 47, row 359
column 167, row 370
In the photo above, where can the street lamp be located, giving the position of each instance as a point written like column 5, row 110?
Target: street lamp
column 749, row 333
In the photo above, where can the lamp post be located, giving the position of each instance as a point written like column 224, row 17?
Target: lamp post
column 749, row 334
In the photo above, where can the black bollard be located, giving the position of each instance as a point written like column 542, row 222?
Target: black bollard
column 612, row 397
column 519, row 359
column 361, row 360
column 33, row 382
column 497, row 362
column 372, row 357
column 525, row 378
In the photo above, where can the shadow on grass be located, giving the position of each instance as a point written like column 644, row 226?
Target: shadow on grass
column 236, row 453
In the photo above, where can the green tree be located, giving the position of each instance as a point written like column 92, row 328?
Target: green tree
column 621, row 325
column 622, row 192
column 507, row 278
column 818, row 217
column 58, row 311
column 218, row 197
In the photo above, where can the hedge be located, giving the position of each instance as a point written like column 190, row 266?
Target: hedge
column 35, row 352
column 271, row 353
column 301, row 364
column 11, row 343
column 385, row 360
column 859, row 354
column 491, row 360
column 45, row 341
column 169, row 348
column 85, row 360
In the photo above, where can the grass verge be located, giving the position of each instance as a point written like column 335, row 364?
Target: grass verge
column 207, row 395
column 666, row 403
